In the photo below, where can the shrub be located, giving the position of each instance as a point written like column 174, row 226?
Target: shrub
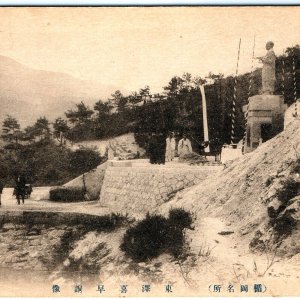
column 285, row 224
column 147, row 239
column 296, row 167
column 67, row 194
column 178, row 220
column 156, row 235
column 178, row 217
column 289, row 190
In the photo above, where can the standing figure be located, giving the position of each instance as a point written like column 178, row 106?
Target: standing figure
column 170, row 147
column 184, row 146
column 20, row 188
column 268, row 70
column 2, row 184
column 152, row 148
column 28, row 190
column 161, row 147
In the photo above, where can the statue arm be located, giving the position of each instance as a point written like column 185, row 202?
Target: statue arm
column 269, row 58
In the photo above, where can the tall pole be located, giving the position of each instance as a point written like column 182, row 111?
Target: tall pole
column 294, row 84
column 234, row 97
column 283, row 75
column 204, row 113
column 249, row 94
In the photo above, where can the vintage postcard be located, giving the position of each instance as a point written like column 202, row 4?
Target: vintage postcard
column 149, row 151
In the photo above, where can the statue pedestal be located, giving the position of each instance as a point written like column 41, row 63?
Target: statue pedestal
column 265, row 119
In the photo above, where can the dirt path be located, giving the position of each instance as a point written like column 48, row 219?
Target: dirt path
column 216, row 251
column 224, row 260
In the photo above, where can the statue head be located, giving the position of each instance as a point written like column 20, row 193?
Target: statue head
column 269, row 45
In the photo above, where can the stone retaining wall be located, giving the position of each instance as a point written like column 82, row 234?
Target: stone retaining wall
column 55, row 218
column 136, row 188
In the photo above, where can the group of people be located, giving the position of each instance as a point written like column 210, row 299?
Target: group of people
column 163, row 150
column 184, row 146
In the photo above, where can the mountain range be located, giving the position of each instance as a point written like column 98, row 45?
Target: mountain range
column 28, row 94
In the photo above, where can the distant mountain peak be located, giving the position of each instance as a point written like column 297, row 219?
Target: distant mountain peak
column 29, row 93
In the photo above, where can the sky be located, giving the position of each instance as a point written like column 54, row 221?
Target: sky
column 130, row 47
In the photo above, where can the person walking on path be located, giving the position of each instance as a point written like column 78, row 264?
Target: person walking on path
column 20, row 188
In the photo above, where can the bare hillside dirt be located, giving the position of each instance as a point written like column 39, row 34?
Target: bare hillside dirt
column 241, row 194
column 247, row 218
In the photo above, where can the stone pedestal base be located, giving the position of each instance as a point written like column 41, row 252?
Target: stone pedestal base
column 265, row 119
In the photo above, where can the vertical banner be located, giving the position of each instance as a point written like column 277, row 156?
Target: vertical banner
column 204, row 113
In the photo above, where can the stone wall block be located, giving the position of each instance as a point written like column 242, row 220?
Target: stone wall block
column 144, row 188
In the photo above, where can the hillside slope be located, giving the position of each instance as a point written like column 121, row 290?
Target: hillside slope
column 237, row 238
column 92, row 181
column 256, row 195
column 122, row 144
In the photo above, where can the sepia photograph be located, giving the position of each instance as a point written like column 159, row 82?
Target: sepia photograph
column 150, row 151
